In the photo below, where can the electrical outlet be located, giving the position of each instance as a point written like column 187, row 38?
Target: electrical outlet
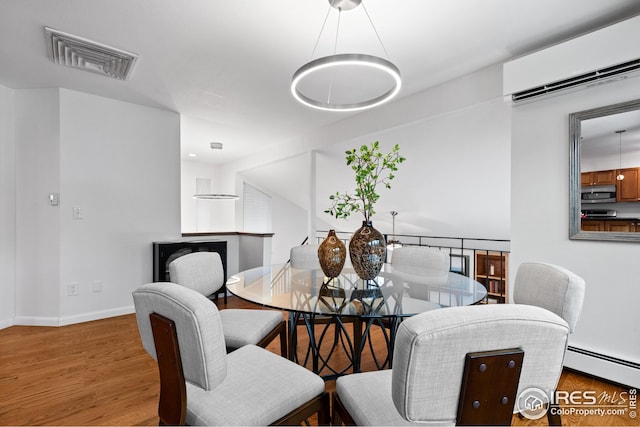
column 97, row 286
column 73, row 289
column 77, row 213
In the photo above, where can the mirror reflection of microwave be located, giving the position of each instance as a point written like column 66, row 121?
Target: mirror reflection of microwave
column 599, row 194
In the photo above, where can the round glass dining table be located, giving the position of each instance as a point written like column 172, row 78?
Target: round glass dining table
column 340, row 313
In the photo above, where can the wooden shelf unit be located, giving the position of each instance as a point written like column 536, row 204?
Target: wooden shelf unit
column 491, row 269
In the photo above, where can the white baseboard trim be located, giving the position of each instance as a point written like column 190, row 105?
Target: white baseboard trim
column 96, row 315
column 70, row 320
column 36, row 321
column 6, row 323
column 603, row 366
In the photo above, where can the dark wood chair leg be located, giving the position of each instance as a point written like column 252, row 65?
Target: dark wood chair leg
column 339, row 414
column 280, row 330
column 319, row 406
column 283, row 339
column 553, row 415
column 324, row 415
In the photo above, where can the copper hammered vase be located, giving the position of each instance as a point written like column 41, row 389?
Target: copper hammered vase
column 368, row 250
column 332, row 253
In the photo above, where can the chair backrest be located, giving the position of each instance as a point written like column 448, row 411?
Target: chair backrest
column 552, row 287
column 430, row 351
column 421, row 264
column 197, row 324
column 200, row 271
column 305, row 257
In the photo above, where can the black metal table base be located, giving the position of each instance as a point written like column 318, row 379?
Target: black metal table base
column 329, row 335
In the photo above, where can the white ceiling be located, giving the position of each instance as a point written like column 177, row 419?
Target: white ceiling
column 227, row 65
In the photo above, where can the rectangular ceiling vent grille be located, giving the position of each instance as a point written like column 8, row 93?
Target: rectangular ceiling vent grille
column 615, row 72
column 77, row 52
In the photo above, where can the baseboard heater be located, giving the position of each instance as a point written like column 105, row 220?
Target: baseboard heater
column 623, row 372
column 604, row 357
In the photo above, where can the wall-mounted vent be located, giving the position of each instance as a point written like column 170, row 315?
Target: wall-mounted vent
column 605, row 55
column 616, row 72
column 78, row 52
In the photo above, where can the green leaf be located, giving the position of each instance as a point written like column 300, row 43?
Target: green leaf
column 371, row 168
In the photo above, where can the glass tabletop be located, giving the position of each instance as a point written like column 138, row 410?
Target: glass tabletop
column 391, row 294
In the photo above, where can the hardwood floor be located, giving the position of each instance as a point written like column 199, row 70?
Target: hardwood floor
column 97, row 373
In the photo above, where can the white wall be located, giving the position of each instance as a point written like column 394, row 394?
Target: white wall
column 455, row 181
column 37, row 137
column 120, row 164
column 287, row 183
column 289, row 227
column 7, row 208
column 215, row 215
column 610, row 322
column 117, row 162
column 456, row 177
column 256, row 210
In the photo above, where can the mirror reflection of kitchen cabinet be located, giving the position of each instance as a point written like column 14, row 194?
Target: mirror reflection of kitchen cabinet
column 615, row 226
column 607, row 177
column 592, row 225
column 597, row 143
column 622, row 226
column 628, row 189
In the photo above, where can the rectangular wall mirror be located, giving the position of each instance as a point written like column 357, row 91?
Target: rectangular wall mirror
column 604, row 173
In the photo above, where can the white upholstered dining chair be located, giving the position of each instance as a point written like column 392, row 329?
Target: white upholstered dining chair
column 421, row 264
column 420, row 267
column 304, row 257
column 203, row 272
column 552, row 287
column 200, row 384
column 436, row 377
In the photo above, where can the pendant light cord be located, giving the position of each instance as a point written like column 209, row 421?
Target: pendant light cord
column 333, row 64
column 313, row 52
column 620, row 175
column 375, row 31
column 335, row 49
column 620, row 148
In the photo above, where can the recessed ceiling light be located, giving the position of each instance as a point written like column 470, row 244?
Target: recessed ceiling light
column 191, row 154
column 216, row 145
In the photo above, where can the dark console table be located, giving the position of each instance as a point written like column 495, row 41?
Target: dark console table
column 165, row 252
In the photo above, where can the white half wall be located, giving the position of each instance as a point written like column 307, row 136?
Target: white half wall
column 610, row 321
column 7, row 208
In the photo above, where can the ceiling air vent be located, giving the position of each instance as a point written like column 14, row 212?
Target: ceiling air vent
column 604, row 75
column 77, row 52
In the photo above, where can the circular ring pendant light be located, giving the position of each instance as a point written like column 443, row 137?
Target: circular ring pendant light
column 216, row 196
column 357, row 64
column 346, row 60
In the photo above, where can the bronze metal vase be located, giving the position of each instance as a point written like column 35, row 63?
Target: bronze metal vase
column 367, row 250
column 332, row 254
